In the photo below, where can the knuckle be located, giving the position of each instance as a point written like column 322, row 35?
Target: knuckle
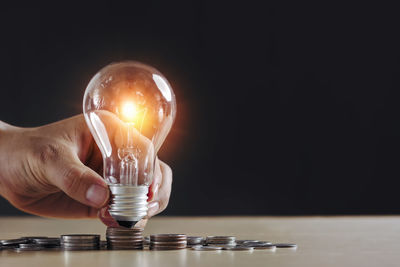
column 71, row 179
column 47, row 152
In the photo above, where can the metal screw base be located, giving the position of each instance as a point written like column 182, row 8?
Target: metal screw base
column 128, row 203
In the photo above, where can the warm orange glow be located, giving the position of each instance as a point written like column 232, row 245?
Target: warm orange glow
column 129, row 111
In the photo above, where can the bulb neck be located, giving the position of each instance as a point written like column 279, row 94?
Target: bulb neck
column 128, row 203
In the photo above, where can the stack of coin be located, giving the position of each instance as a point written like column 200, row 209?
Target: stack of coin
column 124, row 238
column 168, row 241
column 46, row 242
column 80, row 242
column 195, row 240
column 221, row 241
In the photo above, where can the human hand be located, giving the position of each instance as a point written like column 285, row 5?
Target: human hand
column 54, row 170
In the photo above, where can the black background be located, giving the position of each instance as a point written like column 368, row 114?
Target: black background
column 282, row 108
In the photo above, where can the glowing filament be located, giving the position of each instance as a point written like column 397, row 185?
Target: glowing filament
column 129, row 111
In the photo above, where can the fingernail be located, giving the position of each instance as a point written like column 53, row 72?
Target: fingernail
column 152, row 207
column 97, row 195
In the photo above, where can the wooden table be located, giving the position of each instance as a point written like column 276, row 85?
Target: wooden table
column 322, row 241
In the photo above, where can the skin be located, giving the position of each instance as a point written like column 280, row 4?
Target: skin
column 54, row 171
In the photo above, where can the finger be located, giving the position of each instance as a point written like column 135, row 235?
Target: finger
column 60, row 205
column 62, row 168
column 156, row 182
column 106, row 218
column 161, row 199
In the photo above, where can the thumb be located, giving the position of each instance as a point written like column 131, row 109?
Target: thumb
column 63, row 169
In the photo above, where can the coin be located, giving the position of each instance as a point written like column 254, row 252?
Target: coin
column 79, row 248
column 161, row 237
column 237, row 248
column 167, row 248
column 11, row 242
column 223, row 245
column 264, row 247
column 125, row 248
column 192, row 240
column 221, row 238
column 285, row 245
column 28, row 249
column 257, row 243
column 30, row 245
column 115, row 230
column 80, row 238
column 46, row 241
column 160, row 243
column 205, row 248
column 80, row 245
column 31, row 238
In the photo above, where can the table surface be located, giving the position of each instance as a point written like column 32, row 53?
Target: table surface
column 322, row 241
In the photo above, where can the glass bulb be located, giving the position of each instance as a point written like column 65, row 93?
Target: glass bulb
column 129, row 108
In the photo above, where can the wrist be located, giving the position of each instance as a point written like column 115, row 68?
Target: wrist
column 5, row 128
column 5, row 140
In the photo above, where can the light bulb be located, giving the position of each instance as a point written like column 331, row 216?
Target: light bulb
column 129, row 108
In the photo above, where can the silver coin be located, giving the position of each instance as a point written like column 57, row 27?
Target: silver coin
column 125, row 245
column 46, row 241
column 239, row 248
column 125, row 248
column 79, row 238
column 195, row 240
column 254, row 244
column 244, row 241
column 215, row 237
column 205, row 248
column 80, row 248
column 168, row 244
column 123, row 238
column 30, row 245
column 11, row 242
column 31, row 238
column 80, row 245
column 222, row 245
column 166, row 248
column 120, row 230
column 285, row 245
column 264, row 247
column 183, row 242
column 28, row 249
